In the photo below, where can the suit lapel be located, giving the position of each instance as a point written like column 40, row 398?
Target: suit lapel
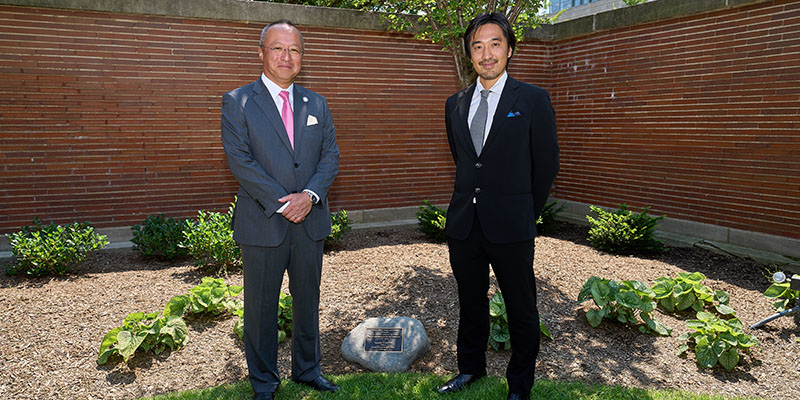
column 507, row 100
column 300, row 114
column 267, row 104
column 460, row 123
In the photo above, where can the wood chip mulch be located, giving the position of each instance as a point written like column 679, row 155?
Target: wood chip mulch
column 51, row 328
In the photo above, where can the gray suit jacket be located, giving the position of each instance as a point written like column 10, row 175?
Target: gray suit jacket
column 263, row 162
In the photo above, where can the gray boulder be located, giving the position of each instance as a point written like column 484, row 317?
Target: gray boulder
column 386, row 344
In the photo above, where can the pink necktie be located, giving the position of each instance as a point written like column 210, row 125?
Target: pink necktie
column 288, row 116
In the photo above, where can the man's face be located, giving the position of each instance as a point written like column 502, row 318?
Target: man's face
column 281, row 54
column 489, row 52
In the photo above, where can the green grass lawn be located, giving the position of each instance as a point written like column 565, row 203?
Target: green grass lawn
column 414, row 386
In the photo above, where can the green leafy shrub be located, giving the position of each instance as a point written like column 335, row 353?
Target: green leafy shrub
column 340, row 224
column 633, row 2
column 784, row 296
column 546, row 223
column 143, row 331
column 623, row 301
column 716, row 340
column 159, row 237
column 209, row 239
column 499, row 335
column 212, row 296
column 431, row 220
column 52, row 249
column 622, row 231
column 686, row 291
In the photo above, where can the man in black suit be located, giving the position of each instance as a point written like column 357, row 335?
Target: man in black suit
column 502, row 136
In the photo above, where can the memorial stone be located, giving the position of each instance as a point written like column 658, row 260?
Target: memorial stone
column 386, row 344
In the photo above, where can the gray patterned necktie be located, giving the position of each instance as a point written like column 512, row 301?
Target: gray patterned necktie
column 479, row 122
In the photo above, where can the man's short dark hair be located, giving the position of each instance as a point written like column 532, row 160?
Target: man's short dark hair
column 489, row 18
column 280, row 22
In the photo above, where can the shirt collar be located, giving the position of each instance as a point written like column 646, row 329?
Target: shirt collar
column 275, row 90
column 497, row 88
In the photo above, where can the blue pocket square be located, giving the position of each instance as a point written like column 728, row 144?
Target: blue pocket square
column 512, row 114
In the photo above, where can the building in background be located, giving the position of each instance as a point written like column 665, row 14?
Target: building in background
column 558, row 5
column 574, row 9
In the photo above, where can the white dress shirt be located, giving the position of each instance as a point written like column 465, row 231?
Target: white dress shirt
column 275, row 92
column 494, row 98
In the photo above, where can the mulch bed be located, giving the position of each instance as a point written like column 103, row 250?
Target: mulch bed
column 51, row 327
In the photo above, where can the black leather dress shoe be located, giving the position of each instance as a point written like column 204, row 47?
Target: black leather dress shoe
column 460, row 381
column 517, row 396
column 321, row 384
column 263, row 396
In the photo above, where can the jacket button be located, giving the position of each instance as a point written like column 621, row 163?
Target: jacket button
column 296, row 165
column 478, row 165
column 477, row 190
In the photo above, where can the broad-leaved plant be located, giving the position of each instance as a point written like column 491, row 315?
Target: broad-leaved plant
column 785, row 297
column 499, row 335
column 625, row 301
column 686, row 291
column 716, row 340
column 143, row 331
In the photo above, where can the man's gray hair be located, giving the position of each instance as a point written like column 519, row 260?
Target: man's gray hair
column 281, row 22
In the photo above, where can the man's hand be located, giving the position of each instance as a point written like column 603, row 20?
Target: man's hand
column 298, row 208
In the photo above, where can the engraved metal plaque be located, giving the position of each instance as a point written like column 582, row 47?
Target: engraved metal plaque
column 384, row 339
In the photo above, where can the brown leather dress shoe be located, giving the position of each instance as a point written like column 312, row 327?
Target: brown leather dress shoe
column 321, row 384
column 460, row 381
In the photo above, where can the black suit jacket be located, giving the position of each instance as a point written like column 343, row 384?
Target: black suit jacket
column 511, row 179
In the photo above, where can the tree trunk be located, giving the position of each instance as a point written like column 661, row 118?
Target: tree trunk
column 463, row 67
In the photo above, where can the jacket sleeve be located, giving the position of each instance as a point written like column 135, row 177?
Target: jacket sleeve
column 544, row 151
column 448, row 108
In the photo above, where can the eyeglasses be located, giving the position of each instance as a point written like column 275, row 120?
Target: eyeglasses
column 278, row 51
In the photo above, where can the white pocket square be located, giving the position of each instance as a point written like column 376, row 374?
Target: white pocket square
column 312, row 120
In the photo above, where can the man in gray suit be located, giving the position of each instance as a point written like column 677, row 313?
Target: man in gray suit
column 280, row 144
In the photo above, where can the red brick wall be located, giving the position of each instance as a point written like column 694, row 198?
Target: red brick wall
column 696, row 117
column 109, row 118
